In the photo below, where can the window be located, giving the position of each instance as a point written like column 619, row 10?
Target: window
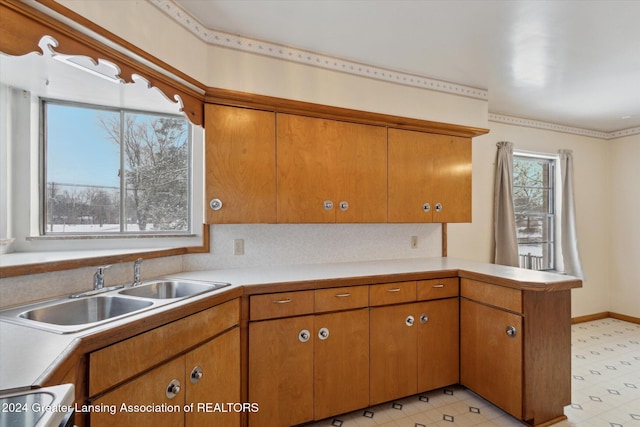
column 114, row 171
column 534, row 206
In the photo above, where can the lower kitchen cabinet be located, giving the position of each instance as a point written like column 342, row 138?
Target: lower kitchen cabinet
column 491, row 362
column 309, row 367
column 281, row 371
column 199, row 380
column 515, row 348
column 414, row 348
column 438, row 344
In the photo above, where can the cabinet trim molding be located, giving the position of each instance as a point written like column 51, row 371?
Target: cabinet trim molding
column 282, row 105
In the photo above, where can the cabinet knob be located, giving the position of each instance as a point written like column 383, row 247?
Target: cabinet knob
column 328, row 205
column 344, row 205
column 424, row 318
column 304, row 335
column 323, row 333
column 196, row 374
column 409, row 321
column 426, row 207
column 173, row 389
column 438, row 207
column 215, row 204
column 511, row 331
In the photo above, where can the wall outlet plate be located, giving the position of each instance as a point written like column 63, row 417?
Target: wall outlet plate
column 238, row 246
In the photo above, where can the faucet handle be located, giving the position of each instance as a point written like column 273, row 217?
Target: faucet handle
column 102, row 268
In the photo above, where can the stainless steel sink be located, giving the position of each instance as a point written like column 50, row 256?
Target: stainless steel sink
column 68, row 315
column 167, row 289
column 86, row 310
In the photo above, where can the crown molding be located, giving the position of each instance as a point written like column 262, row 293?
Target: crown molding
column 519, row 121
column 245, row 44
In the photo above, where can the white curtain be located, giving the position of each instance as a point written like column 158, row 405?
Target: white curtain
column 504, row 223
column 568, row 239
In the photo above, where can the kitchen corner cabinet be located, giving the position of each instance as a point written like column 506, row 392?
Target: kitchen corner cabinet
column 240, row 155
column 194, row 360
column 429, row 177
column 312, row 365
column 421, row 338
column 515, row 348
column 330, row 171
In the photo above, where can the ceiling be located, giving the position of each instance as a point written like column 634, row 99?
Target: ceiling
column 574, row 63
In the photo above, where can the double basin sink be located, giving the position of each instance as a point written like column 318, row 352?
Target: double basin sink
column 67, row 315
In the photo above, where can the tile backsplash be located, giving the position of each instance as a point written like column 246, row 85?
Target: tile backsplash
column 264, row 244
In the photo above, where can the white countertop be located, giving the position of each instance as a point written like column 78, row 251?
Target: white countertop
column 27, row 353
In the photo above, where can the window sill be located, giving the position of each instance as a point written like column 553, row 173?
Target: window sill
column 107, row 236
column 43, row 261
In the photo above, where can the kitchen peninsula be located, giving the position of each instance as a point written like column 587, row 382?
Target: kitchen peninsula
column 517, row 322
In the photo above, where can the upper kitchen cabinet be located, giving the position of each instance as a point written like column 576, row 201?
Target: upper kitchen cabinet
column 330, row 171
column 429, row 177
column 240, row 165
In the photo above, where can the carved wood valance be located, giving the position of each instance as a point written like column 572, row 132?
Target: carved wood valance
column 22, row 27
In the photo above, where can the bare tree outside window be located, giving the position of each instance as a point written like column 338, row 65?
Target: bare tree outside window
column 115, row 171
column 533, row 196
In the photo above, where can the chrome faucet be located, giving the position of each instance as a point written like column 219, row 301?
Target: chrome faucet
column 136, row 272
column 98, row 277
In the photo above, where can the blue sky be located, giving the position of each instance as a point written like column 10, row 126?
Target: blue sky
column 78, row 149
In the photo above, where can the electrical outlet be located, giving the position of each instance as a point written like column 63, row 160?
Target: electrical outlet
column 414, row 242
column 238, row 246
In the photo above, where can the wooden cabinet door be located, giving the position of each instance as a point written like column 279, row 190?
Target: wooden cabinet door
column 452, row 175
column 240, row 164
column 410, row 169
column 438, row 348
column 491, row 361
column 393, row 352
column 428, row 169
column 281, row 371
column 322, row 161
column 306, row 169
column 341, row 366
column 361, row 174
column 148, row 389
column 219, row 364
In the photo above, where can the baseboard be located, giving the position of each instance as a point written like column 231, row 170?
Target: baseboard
column 590, row 317
column 625, row 318
column 604, row 315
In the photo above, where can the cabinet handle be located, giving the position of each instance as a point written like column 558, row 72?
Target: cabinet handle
column 282, row 301
column 438, row 207
column 173, row 389
column 511, row 331
column 393, row 290
column 323, row 333
column 344, row 205
column 304, row 335
column 196, row 374
column 438, row 286
column 343, row 295
column 426, row 207
column 424, row 318
column 215, row 204
column 328, row 205
column 409, row 321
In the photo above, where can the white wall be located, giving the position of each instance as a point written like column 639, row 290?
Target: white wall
column 625, row 226
column 592, row 193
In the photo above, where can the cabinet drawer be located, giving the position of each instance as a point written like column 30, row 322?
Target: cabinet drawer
column 341, row 298
column 282, row 304
column 392, row 293
column 437, row 288
column 126, row 359
column 498, row 296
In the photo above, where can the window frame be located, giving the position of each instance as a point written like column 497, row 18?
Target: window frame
column 122, row 233
column 551, row 239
